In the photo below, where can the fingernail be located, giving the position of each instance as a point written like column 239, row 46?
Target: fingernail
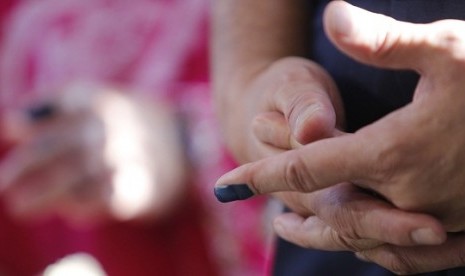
column 39, row 112
column 301, row 120
column 340, row 20
column 426, row 236
column 233, row 192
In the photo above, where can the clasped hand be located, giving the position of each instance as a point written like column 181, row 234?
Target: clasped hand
column 413, row 158
column 91, row 154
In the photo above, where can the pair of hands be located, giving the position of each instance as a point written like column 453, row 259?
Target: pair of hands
column 89, row 154
column 413, row 157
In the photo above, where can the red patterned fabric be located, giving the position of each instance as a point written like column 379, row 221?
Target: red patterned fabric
column 158, row 48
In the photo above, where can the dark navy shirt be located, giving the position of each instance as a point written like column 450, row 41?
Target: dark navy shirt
column 368, row 94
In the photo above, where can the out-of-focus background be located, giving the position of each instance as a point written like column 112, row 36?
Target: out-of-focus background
column 133, row 76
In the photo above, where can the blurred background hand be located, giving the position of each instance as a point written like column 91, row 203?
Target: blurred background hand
column 90, row 152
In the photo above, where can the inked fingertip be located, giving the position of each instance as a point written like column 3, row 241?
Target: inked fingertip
column 233, row 192
column 39, row 112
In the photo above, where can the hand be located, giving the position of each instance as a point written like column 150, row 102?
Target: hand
column 281, row 101
column 296, row 94
column 419, row 259
column 342, row 217
column 407, row 156
column 291, row 90
column 98, row 154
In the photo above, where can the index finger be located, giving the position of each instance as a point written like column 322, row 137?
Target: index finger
column 312, row 167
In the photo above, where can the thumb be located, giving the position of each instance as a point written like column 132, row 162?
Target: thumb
column 379, row 40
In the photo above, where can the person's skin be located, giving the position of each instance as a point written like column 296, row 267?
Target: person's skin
column 96, row 155
column 406, row 157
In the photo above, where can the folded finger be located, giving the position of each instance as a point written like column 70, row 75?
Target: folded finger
column 419, row 259
column 313, row 233
column 356, row 213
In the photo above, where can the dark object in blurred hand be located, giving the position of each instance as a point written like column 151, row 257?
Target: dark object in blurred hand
column 41, row 112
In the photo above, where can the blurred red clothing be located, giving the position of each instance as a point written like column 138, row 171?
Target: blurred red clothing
column 174, row 247
column 159, row 48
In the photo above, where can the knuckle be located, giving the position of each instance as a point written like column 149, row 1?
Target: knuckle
column 297, row 177
column 334, row 208
column 394, row 164
column 450, row 40
column 264, row 132
column 387, row 157
column 385, row 44
column 345, row 221
column 295, row 71
column 460, row 257
column 344, row 242
column 354, row 245
column 398, row 263
column 304, row 242
column 291, row 68
column 347, row 229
